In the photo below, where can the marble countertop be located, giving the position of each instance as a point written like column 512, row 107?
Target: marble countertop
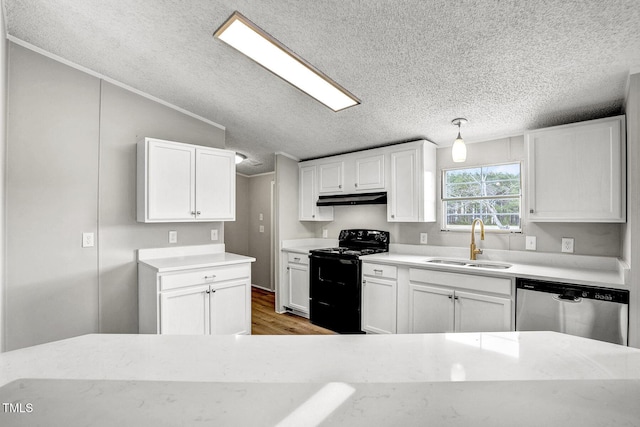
column 578, row 274
column 181, row 257
column 482, row 379
column 163, row 265
column 499, row 356
column 480, row 404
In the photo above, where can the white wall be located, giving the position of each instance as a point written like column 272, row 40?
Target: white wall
column 71, row 168
column 236, row 233
column 3, row 149
column 631, row 230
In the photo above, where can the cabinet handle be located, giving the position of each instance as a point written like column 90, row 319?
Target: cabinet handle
column 356, row 185
column 340, row 186
column 364, row 282
column 393, row 216
column 213, row 276
column 456, row 297
column 198, row 212
column 530, row 210
column 288, row 268
column 313, row 216
column 208, row 291
column 193, row 213
column 450, row 296
column 377, row 271
column 296, row 259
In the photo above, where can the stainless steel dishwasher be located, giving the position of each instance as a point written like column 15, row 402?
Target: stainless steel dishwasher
column 585, row 311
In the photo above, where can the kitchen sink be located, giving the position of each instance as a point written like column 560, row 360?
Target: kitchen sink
column 446, row 262
column 461, row 263
column 489, row 265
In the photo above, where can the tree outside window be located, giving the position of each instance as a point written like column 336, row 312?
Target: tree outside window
column 491, row 193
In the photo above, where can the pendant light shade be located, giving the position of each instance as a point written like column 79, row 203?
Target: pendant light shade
column 459, row 149
column 240, row 158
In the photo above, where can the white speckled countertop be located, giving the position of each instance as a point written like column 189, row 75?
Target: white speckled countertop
column 198, row 256
column 573, row 274
column 480, row 379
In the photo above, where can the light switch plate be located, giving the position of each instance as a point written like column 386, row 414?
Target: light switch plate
column 530, row 243
column 261, row 217
column 567, row 244
column 173, row 236
column 423, row 238
column 88, row 240
column 214, row 234
column 262, row 228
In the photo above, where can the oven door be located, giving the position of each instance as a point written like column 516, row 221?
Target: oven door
column 335, row 292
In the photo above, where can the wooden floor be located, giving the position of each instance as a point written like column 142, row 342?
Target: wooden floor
column 265, row 320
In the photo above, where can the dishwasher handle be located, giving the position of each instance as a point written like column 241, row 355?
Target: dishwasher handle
column 567, row 298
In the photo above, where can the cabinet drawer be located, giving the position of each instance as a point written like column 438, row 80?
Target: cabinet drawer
column 496, row 285
column 379, row 270
column 298, row 258
column 205, row 275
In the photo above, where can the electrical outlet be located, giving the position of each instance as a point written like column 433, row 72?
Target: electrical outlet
column 214, row 234
column 530, row 243
column 173, row 236
column 567, row 244
column 423, row 238
column 262, row 228
column 325, row 233
column 87, row 240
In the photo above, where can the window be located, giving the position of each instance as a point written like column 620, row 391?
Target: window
column 492, row 193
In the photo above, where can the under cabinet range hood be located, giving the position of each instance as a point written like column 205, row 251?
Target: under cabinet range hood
column 353, row 199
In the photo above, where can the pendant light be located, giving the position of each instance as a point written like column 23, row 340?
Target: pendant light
column 240, row 158
column 459, row 149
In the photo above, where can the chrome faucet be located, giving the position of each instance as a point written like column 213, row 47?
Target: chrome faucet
column 474, row 250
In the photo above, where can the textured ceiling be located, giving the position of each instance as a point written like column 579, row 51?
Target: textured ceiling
column 507, row 66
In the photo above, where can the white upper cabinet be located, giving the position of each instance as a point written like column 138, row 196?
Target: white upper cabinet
column 369, row 173
column 576, row 172
column 412, row 185
column 331, row 178
column 308, row 196
column 407, row 172
column 183, row 183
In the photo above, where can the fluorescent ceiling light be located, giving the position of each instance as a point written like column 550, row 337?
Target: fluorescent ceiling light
column 249, row 39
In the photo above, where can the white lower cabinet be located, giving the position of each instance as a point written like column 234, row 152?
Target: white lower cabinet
column 451, row 302
column 379, row 296
column 207, row 301
column 298, row 283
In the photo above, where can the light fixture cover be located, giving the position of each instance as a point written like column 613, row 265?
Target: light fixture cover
column 240, row 158
column 249, row 39
column 459, row 148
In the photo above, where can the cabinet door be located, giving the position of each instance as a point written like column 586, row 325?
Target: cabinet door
column 230, row 307
column 185, row 311
column 331, row 178
column 215, row 185
column 378, row 305
column 403, row 205
column 481, row 313
column 308, row 196
column 576, row 172
column 370, row 173
column 299, row 287
column 170, row 181
column 430, row 309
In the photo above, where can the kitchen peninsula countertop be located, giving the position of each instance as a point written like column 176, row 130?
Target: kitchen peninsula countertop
column 510, row 378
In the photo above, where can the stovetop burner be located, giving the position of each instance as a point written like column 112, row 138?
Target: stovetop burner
column 355, row 243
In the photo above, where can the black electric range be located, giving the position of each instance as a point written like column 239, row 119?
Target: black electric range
column 335, row 279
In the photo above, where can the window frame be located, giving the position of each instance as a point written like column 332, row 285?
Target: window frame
column 490, row 229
